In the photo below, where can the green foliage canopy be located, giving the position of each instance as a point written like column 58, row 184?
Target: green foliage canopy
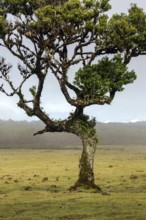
column 128, row 32
column 53, row 36
column 109, row 75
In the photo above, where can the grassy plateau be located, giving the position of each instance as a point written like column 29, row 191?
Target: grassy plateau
column 34, row 185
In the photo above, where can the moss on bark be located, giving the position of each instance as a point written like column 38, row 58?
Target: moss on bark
column 86, row 131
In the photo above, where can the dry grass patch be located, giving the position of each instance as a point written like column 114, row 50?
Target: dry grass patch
column 34, row 185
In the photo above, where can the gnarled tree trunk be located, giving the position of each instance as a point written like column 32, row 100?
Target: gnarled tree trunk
column 86, row 165
column 86, row 131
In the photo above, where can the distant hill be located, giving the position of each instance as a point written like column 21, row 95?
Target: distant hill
column 122, row 133
column 14, row 134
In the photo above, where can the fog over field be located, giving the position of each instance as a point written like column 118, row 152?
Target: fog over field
column 128, row 105
column 19, row 134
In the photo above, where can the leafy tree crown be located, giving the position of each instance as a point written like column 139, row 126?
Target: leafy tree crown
column 53, row 36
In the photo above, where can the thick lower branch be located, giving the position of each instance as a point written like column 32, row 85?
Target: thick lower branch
column 40, row 132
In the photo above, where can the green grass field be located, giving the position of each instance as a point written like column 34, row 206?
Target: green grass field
column 34, row 185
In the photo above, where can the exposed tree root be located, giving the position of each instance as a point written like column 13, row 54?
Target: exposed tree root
column 85, row 187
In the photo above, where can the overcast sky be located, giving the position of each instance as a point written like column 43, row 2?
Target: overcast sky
column 129, row 105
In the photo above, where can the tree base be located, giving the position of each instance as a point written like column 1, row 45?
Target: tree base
column 86, row 187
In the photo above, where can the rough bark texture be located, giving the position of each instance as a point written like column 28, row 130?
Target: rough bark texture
column 86, row 131
column 86, row 175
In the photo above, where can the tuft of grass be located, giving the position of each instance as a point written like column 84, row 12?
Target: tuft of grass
column 38, row 183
